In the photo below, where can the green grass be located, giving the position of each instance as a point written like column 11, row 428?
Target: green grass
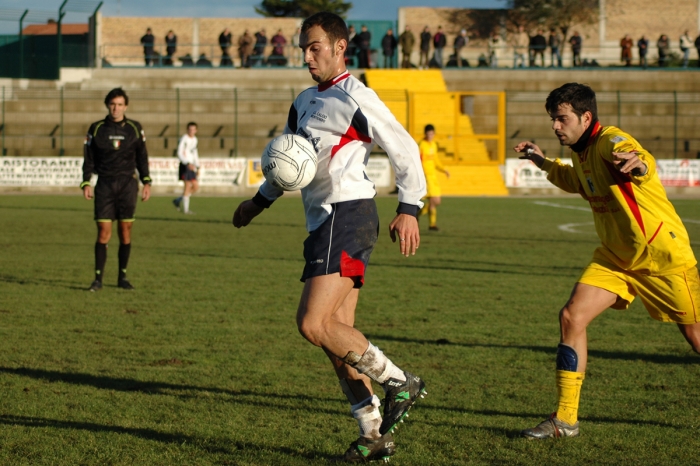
column 202, row 363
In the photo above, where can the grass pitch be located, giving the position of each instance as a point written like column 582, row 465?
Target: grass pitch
column 202, row 363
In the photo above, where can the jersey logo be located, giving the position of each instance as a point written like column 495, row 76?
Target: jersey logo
column 617, row 139
column 319, row 116
column 306, row 135
column 88, row 139
column 143, row 136
column 116, row 143
column 590, row 184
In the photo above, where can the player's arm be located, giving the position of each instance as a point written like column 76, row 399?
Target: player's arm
column 440, row 167
column 404, row 157
column 182, row 151
column 560, row 175
column 142, row 164
column 88, row 164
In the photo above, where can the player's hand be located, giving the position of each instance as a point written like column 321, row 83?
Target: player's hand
column 629, row 162
column 245, row 213
column 87, row 192
column 191, row 167
column 146, row 193
column 405, row 227
column 530, row 151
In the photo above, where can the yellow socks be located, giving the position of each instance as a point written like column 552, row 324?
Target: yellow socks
column 426, row 207
column 433, row 217
column 569, row 389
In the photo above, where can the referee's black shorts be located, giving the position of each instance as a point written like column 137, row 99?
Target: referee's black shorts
column 115, row 198
column 344, row 242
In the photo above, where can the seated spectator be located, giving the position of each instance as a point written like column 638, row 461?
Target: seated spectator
column 187, row 60
column 204, row 61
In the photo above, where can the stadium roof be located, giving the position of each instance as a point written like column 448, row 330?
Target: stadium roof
column 50, row 29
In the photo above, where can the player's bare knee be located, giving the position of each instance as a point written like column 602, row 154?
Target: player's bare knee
column 569, row 322
column 312, row 331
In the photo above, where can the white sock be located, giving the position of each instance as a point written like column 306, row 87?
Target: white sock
column 368, row 417
column 378, row 367
column 186, row 203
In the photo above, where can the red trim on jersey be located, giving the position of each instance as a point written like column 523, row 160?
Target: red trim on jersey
column 594, row 133
column 623, row 182
column 350, row 135
column 324, row 86
column 656, row 233
column 352, row 268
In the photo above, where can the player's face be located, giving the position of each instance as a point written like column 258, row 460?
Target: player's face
column 191, row 130
column 429, row 136
column 117, row 108
column 324, row 60
column 567, row 126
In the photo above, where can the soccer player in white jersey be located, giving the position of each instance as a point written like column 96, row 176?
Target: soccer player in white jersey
column 189, row 166
column 344, row 119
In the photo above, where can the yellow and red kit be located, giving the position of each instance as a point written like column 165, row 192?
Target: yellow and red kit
column 431, row 164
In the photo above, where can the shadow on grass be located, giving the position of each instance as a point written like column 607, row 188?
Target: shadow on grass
column 40, row 281
column 209, row 445
column 614, row 355
column 191, row 219
column 476, row 269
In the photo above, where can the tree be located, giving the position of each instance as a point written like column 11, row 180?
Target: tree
column 561, row 14
column 301, row 8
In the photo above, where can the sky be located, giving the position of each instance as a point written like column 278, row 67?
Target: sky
column 362, row 9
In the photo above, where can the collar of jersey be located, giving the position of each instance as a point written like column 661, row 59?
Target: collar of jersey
column 587, row 138
column 112, row 122
column 344, row 75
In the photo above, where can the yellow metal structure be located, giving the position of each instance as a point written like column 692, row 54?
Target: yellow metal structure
column 417, row 98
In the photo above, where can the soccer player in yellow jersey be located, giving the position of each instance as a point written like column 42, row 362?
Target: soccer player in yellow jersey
column 645, row 249
column 431, row 165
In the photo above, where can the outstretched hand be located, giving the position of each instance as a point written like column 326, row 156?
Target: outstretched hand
column 530, row 151
column 245, row 213
column 406, row 228
column 629, row 162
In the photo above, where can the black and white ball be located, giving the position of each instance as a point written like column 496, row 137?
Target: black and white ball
column 289, row 162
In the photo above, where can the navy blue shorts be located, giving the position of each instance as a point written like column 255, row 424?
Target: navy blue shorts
column 186, row 174
column 344, row 242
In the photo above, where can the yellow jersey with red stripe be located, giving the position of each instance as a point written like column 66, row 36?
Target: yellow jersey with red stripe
column 639, row 229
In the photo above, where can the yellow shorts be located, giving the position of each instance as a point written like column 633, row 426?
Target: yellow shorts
column 667, row 298
column 433, row 186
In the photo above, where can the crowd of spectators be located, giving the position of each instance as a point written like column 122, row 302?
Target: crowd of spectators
column 528, row 50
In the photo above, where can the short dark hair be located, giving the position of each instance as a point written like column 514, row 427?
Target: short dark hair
column 191, row 123
column 579, row 96
column 428, row 128
column 114, row 93
column 331, row 23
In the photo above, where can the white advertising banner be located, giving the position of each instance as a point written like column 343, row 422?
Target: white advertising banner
column 68, row 171
column 379, row 171
column 678, row 172
column 41, row 171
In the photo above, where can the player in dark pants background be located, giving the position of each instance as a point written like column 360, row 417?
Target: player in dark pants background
column 114, row 149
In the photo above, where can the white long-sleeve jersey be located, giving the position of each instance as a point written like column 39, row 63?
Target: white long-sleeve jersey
column 187, row 150
column 344, row 119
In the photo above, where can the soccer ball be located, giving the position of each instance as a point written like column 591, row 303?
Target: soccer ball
column 289, row 162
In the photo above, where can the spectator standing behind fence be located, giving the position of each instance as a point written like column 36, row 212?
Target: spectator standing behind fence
column 643, row 48
column 406, row 40
column 664, row 47
column 245, row 48
column 363, row 40
column 259, row 48
column 521, row 42
column 148, row 41
column 538, row 45
column 225, row 44
column 626, row 44
column 460, row 46
column 295, row 56
column 576, row 44
column 555, row 47
column 351, row 50
column 425, row 38
column 685, row 44
column 170, row 47
column 278, row 43
column 495, row 46
column 439, row 43
column 389, row 44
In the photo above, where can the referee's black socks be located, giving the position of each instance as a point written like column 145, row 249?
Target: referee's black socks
column 100, row 259
column 124, row 252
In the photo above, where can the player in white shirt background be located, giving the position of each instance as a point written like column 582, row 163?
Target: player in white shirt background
column 189, row 166
column 343, row 119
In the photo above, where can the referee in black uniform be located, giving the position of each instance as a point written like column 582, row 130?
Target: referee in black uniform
column 114, row 149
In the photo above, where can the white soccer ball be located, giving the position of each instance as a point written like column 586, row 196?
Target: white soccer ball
column 289, row 162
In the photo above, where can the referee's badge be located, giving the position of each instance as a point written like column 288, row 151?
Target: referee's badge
column 116, row 143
